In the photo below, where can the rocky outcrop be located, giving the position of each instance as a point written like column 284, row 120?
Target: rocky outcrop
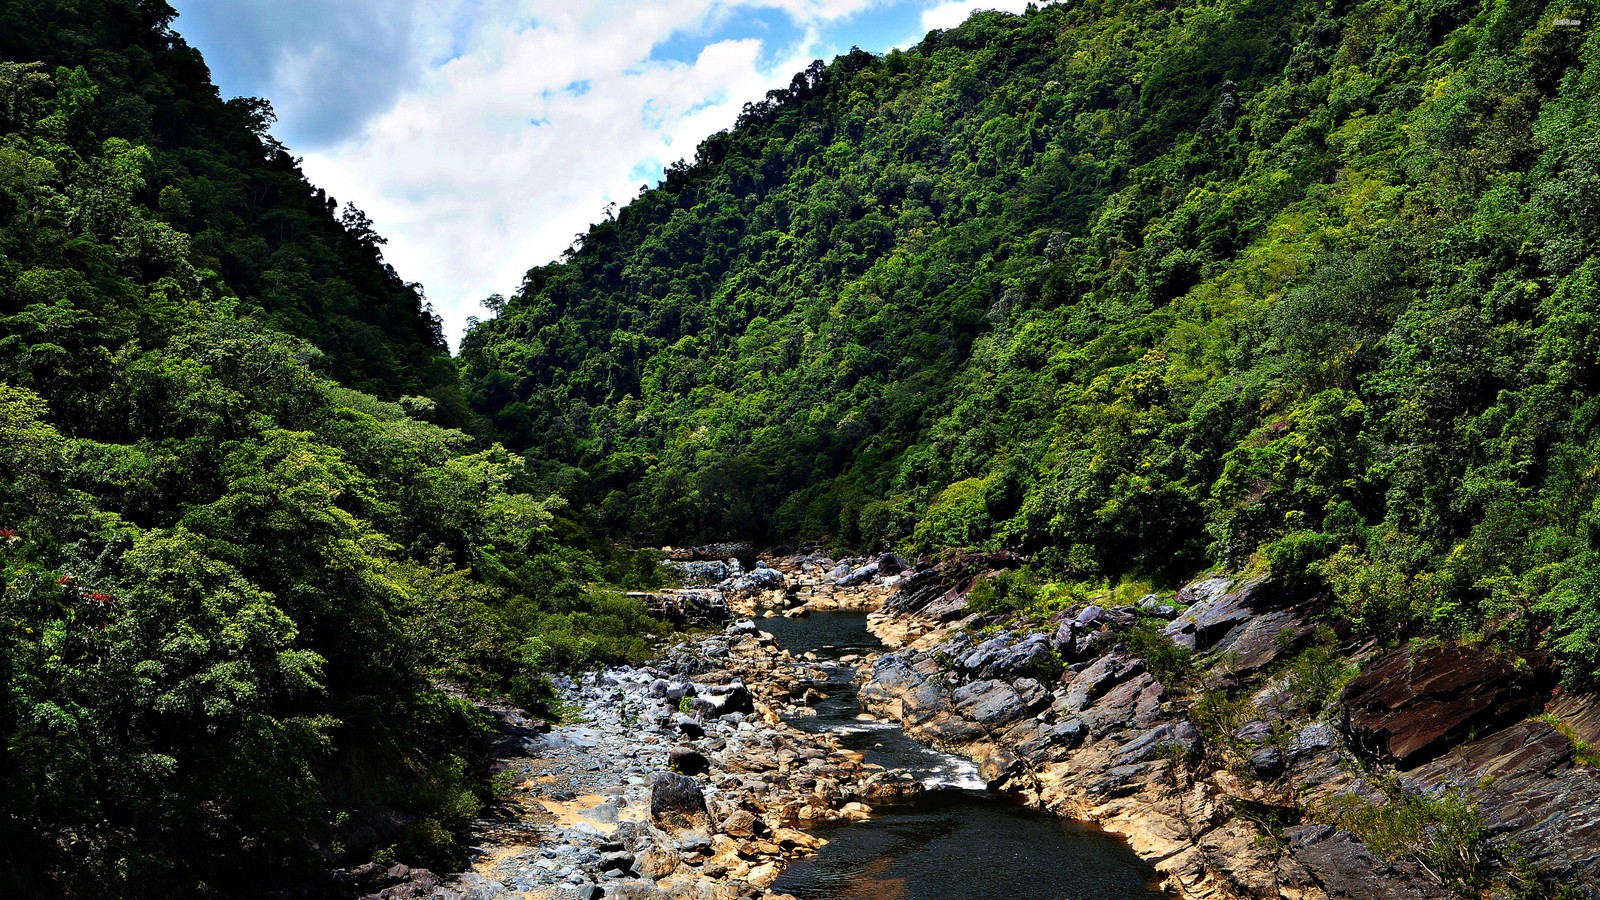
column 711, row 552
column 689, row 608
column 1065, row 715
column 1532, row 793
column 1413, row 704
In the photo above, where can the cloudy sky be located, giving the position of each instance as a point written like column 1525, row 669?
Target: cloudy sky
column 482, row 135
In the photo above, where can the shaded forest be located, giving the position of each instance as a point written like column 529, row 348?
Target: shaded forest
column 250, row 570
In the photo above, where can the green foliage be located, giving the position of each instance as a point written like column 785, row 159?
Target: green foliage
column 1138, row 289
column 233, row 591
column 1445, row 834
column 1317, row 673
column 1169, row 662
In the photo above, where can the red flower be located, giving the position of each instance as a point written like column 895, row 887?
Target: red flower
column 100, row 597
column 10, row 534
column 67, row 579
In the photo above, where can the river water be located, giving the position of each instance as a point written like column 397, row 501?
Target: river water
column 955, row 840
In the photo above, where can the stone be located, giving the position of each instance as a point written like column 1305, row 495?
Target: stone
column 859, row 576
column 1525, row 783
column 687, row 761
column 1346, row 870
column 742, row 824
column 676, row 801
column 723, row 700
column 1413, row 705
column 635, row 890
column 657, row 862
column 892, row 564
column 1216, row 606
column 689, row 728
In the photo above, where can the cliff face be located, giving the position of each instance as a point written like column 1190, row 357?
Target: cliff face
column 1247, row 770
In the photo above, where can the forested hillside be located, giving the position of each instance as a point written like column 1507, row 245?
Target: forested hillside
column 1139, row 288
column 240, row 560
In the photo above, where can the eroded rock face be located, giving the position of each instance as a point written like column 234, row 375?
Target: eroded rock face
column 1112, row 744
column 939, row 592
column 1413, row 705
column 1344, row 868
column 1528, row 787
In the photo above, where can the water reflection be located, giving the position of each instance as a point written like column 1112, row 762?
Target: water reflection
column 955, row 841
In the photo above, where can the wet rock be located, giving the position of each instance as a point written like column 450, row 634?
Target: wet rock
column 688, row 727
column 1412, row 705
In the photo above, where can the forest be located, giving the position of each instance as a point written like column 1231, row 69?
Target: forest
column 250, row 565
column 1141, row 289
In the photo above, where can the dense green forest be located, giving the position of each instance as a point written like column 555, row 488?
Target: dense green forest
column 1140, row 288
column 238, row 568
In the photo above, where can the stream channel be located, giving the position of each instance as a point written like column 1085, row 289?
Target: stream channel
column 955, row 840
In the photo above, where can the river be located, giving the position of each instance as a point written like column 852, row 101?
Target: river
column 956, row 840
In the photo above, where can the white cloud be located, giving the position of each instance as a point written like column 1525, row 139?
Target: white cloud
column 949, row 15
column 507, row 151
column 482, row 135
column 298, row 54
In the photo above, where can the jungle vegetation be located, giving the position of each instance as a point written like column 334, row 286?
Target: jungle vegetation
column 1142, row 289
column 251, row 568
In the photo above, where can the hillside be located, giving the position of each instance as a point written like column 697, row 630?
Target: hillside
column 1139, row 289
column 241, row 560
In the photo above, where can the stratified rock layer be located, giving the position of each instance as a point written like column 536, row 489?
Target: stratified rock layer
column 1065, row 716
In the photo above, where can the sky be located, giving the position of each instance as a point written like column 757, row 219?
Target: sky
column 481, row 136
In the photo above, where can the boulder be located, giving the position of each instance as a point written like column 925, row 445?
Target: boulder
column 990, row 703
column 725, row 699
column 859, row 576
column 686, row 761
column 1216, row 607
column 742, row 824
column 892, row 564
column 1412, row 705
column 676, row 801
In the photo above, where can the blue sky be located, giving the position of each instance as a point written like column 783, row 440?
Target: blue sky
column 482, row 135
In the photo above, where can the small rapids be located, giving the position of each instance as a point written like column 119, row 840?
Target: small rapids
column 956, row 840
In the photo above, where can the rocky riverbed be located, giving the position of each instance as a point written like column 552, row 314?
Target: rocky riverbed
column 679, row 779
column 1220, row 732
column 1234, row 771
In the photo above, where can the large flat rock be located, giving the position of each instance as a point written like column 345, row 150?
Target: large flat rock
column 1412, row 705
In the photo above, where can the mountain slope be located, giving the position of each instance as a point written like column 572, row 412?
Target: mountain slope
column 1139, row 288
column 232, row 588
column 211, row 171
